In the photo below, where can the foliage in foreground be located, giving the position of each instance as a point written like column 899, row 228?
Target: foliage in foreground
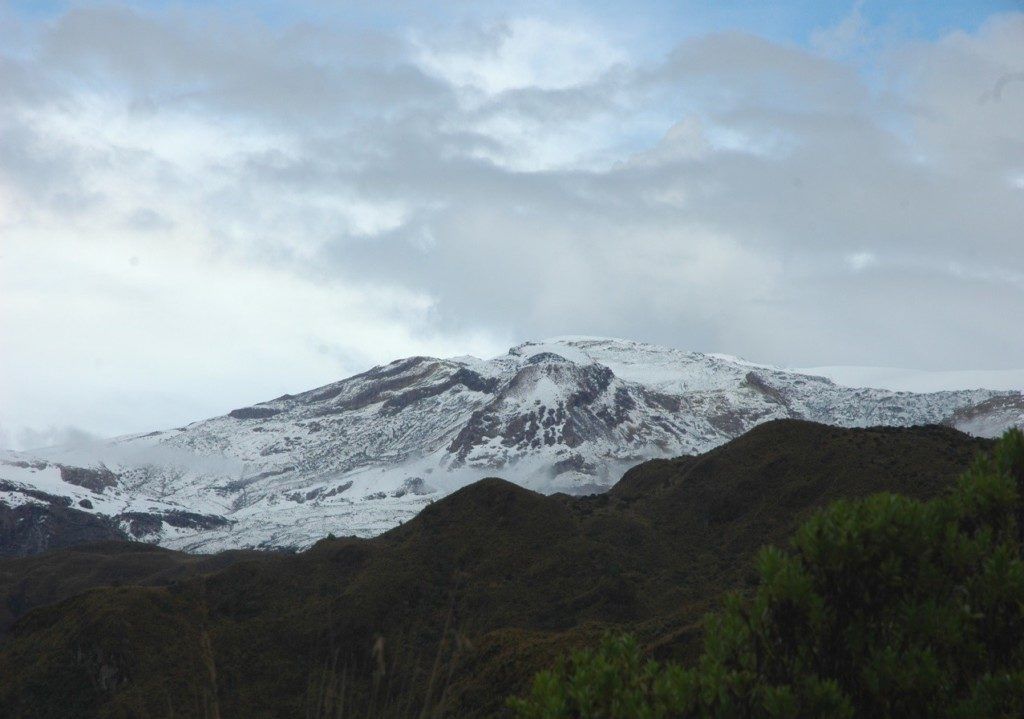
column 883, row 607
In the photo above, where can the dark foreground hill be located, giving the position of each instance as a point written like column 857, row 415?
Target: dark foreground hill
column 448, row 614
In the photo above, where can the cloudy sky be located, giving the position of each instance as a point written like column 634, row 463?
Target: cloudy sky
column 206, row 205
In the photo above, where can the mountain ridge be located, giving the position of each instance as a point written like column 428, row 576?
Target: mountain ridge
column 489, row 583
column 362, row 454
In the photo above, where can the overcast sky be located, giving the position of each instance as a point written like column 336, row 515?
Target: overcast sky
column 204, row 206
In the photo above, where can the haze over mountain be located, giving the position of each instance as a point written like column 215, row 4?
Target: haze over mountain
column 362, row 455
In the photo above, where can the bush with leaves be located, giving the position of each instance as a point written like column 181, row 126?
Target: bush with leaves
column 882, row 607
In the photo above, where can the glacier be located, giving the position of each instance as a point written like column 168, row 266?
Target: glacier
column 364, row 454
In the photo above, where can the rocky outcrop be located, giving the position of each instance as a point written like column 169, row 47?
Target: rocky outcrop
column 144, row 524
column 95, row 479
column 253, row 413
column 33, row 528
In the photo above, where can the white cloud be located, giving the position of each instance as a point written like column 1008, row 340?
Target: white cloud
column 180, row 334
column 199, row 214
column 526, row 52
column 859, row 261
column 53, row 436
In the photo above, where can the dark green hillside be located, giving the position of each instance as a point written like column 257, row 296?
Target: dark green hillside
column 29, row 582
column 883, row 606
column 451, row 612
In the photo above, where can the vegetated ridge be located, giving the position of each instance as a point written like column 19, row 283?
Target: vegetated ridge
column 450, row 612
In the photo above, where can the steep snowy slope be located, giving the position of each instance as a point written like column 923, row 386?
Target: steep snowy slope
column 363, row 454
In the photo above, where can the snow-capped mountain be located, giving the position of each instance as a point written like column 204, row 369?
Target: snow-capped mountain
column 363, row 454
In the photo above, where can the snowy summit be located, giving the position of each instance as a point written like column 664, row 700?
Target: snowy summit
column 363, row 454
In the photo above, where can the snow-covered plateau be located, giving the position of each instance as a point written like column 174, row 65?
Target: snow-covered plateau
column 362, row 455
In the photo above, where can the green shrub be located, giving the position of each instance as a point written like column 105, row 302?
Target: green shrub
column 883, row 607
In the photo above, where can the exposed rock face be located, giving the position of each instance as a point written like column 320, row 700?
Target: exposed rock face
column 144, row 524
column 360, row 455
column 95, row 479
column 415, row 486
column 33, row 528
column 253, row 413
